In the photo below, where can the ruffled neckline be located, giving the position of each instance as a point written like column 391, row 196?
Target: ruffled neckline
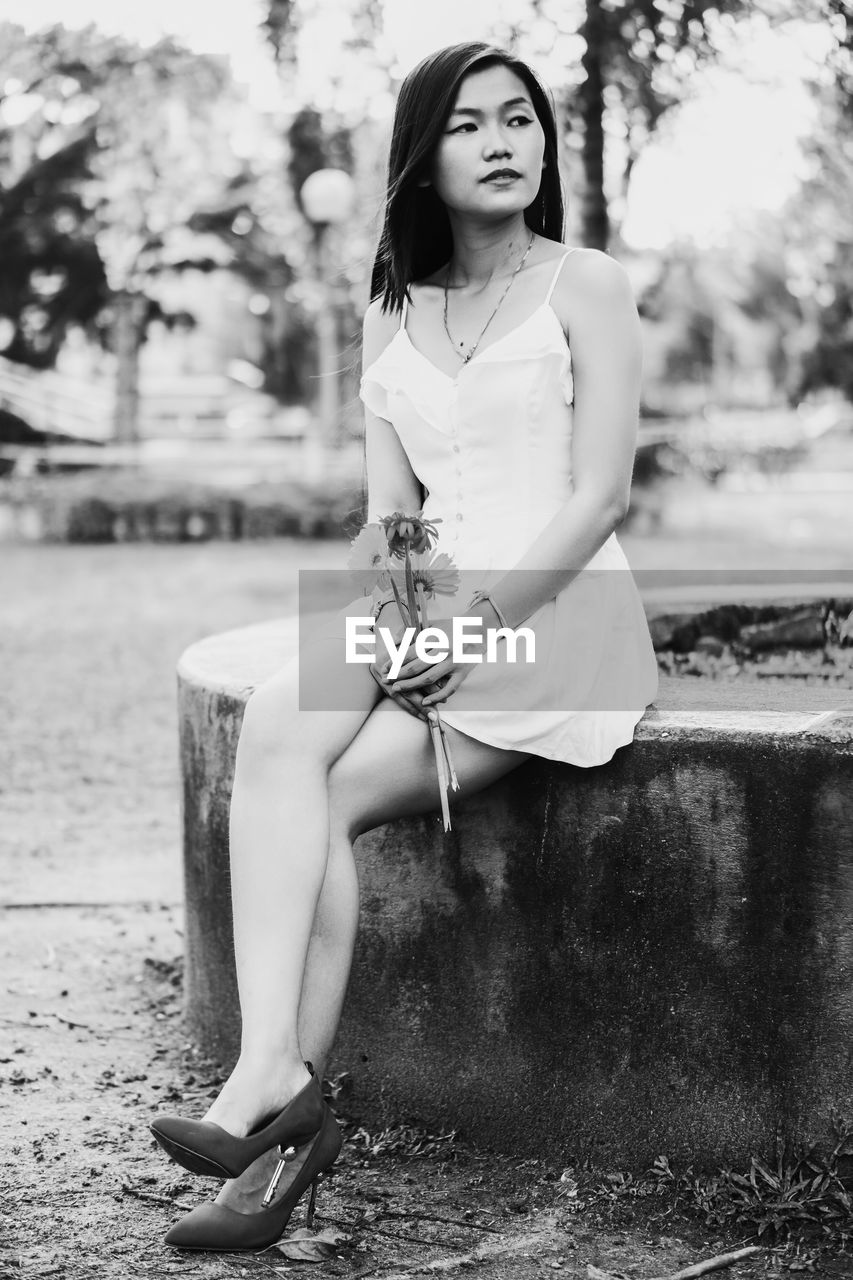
column 401, row 337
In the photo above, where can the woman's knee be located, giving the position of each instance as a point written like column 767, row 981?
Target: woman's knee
column 276, row 728
column 381, row 775
column 350, row 791
column 270, row 727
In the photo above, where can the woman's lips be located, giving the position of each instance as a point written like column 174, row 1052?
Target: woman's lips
column 501, row 179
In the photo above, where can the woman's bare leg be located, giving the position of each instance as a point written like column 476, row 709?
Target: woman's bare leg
column 387, row 771
column 280, row 839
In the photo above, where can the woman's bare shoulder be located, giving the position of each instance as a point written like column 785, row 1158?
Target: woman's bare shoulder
column 592, row 271
column 591, row 283
column 378, row 328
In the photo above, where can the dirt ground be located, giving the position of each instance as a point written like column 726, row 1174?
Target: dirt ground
column 93, row 1049
column 91, row 1037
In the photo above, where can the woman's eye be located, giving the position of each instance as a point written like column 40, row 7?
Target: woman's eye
column 469, row 124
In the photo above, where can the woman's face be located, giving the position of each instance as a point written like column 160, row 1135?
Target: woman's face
column 492, row 126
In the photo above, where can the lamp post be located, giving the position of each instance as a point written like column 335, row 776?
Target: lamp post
column 327, row 197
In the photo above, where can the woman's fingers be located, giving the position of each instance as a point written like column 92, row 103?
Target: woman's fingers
column 428, row 675
column 410, row 704
column 442, row 692
column 413, row 666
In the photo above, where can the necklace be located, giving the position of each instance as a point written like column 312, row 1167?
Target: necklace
column 470, row 353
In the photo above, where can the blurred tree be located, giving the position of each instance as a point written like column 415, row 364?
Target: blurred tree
column 51, row 274
column 722, row 321
column 638, row 58
column 157, row 161
column 256, row 254
column 315, row 143
column 279, row 27
column 820, row 238
column 130, row 134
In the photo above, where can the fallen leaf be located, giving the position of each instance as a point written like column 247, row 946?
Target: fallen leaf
column 311, row 1246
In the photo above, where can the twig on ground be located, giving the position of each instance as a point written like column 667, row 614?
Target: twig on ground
column 156, row 903
column 23, row 1022
column 484, row 1251
column 82, row 1026
column 447, row 1222
column 712, row 1264
column 152, row 1197
column 379, row 1231
column 259, row 1257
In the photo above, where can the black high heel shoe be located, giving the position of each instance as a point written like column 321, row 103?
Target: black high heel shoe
column 204, row 1147
column 215, row 1226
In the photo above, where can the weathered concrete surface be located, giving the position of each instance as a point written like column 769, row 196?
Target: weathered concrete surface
column 652, row 956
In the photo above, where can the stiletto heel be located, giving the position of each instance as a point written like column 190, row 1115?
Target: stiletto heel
column 215, row 1226
column 309, row 1216
column 204, row 1147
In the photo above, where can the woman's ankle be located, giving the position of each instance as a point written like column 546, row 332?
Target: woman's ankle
column 255, row 1089
column 284, row 1069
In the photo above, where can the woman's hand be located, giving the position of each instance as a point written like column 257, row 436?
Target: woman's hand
column 390, row 620
column 416, row 676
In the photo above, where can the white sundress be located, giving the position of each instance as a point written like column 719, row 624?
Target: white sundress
column 492, row 446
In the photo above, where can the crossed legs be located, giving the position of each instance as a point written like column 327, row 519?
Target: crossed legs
column 306, row 784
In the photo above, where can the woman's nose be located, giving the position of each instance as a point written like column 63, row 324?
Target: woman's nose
column 496, row 145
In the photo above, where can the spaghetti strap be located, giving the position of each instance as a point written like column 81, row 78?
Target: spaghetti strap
column 557, row 272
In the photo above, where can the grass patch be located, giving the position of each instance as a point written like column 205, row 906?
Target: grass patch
column 798, row 1204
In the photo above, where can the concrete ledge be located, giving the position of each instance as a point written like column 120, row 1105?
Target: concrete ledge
column 653, row 956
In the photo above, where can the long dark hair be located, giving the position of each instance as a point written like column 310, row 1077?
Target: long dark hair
column 416, row 238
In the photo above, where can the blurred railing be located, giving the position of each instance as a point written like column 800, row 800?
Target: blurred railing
column 56, row 402
column 190, row 406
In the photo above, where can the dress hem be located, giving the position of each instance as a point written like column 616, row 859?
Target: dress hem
column 544, row 755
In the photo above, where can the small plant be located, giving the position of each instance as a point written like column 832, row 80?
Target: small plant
column 793, row 1199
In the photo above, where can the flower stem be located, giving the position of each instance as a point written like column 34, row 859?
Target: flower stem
column 410, row 592
column 441, row 768
column 454, row 781
column 403, row 610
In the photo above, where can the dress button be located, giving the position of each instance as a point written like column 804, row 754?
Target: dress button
column 458, row 515
column 456, row 448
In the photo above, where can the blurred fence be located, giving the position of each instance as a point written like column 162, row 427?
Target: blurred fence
column 186, row 405
column 56, row 402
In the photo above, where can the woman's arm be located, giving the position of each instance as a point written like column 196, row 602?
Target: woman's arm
column 391, row 483
column 595, row 298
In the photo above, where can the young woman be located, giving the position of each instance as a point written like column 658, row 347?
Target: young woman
column 525, row 445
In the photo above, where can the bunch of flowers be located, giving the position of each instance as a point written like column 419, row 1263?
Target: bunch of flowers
column 420, row 576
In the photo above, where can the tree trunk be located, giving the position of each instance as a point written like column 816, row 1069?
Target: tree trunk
column 595, row 224
column 127, row 339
